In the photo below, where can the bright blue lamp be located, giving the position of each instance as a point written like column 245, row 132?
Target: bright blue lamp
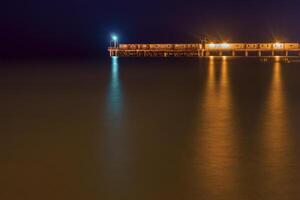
column 114, row 38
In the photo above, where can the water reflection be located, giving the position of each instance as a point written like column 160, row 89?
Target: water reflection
column 115, row 141
column 114, row 93
column 276, row 143
column 216, row 139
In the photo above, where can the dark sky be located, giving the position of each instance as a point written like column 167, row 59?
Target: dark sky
column 81, row 28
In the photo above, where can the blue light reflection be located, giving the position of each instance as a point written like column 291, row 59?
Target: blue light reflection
column 114, row 93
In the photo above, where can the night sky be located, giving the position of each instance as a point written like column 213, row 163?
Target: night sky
column 81, row 28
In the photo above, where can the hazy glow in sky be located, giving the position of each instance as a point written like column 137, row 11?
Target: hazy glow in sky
column 83, row 27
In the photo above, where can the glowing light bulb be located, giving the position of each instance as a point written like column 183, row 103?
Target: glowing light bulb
column 278, row 45
column 114, row 38
column 211, row 45
column 225, row 45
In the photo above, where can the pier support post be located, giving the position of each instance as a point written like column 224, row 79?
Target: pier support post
column 246, row 53
column 287, row 53
column 200, row 53
column 113, row 53
column 259, row 53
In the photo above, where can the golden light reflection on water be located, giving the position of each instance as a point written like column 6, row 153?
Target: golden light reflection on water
column 216, row 141
column 276, row 143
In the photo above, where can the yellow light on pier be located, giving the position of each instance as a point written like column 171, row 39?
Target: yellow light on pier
column 278, row 45
column 225, row 45
column 212, row 45
column 219, row 46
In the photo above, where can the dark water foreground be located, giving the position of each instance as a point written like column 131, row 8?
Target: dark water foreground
column 150, row 129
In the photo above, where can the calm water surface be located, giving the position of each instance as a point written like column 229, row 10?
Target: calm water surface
column 180, row 129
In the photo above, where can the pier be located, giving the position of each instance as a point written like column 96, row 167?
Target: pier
column 205, row 50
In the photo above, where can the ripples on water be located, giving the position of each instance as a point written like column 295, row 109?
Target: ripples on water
column 215, row 128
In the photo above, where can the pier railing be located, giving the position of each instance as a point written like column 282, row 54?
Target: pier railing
column 210, row 49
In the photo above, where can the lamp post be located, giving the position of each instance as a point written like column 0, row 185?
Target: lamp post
column 114, row 39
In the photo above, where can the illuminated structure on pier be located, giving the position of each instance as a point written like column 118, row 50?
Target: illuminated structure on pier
column 207, row 49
